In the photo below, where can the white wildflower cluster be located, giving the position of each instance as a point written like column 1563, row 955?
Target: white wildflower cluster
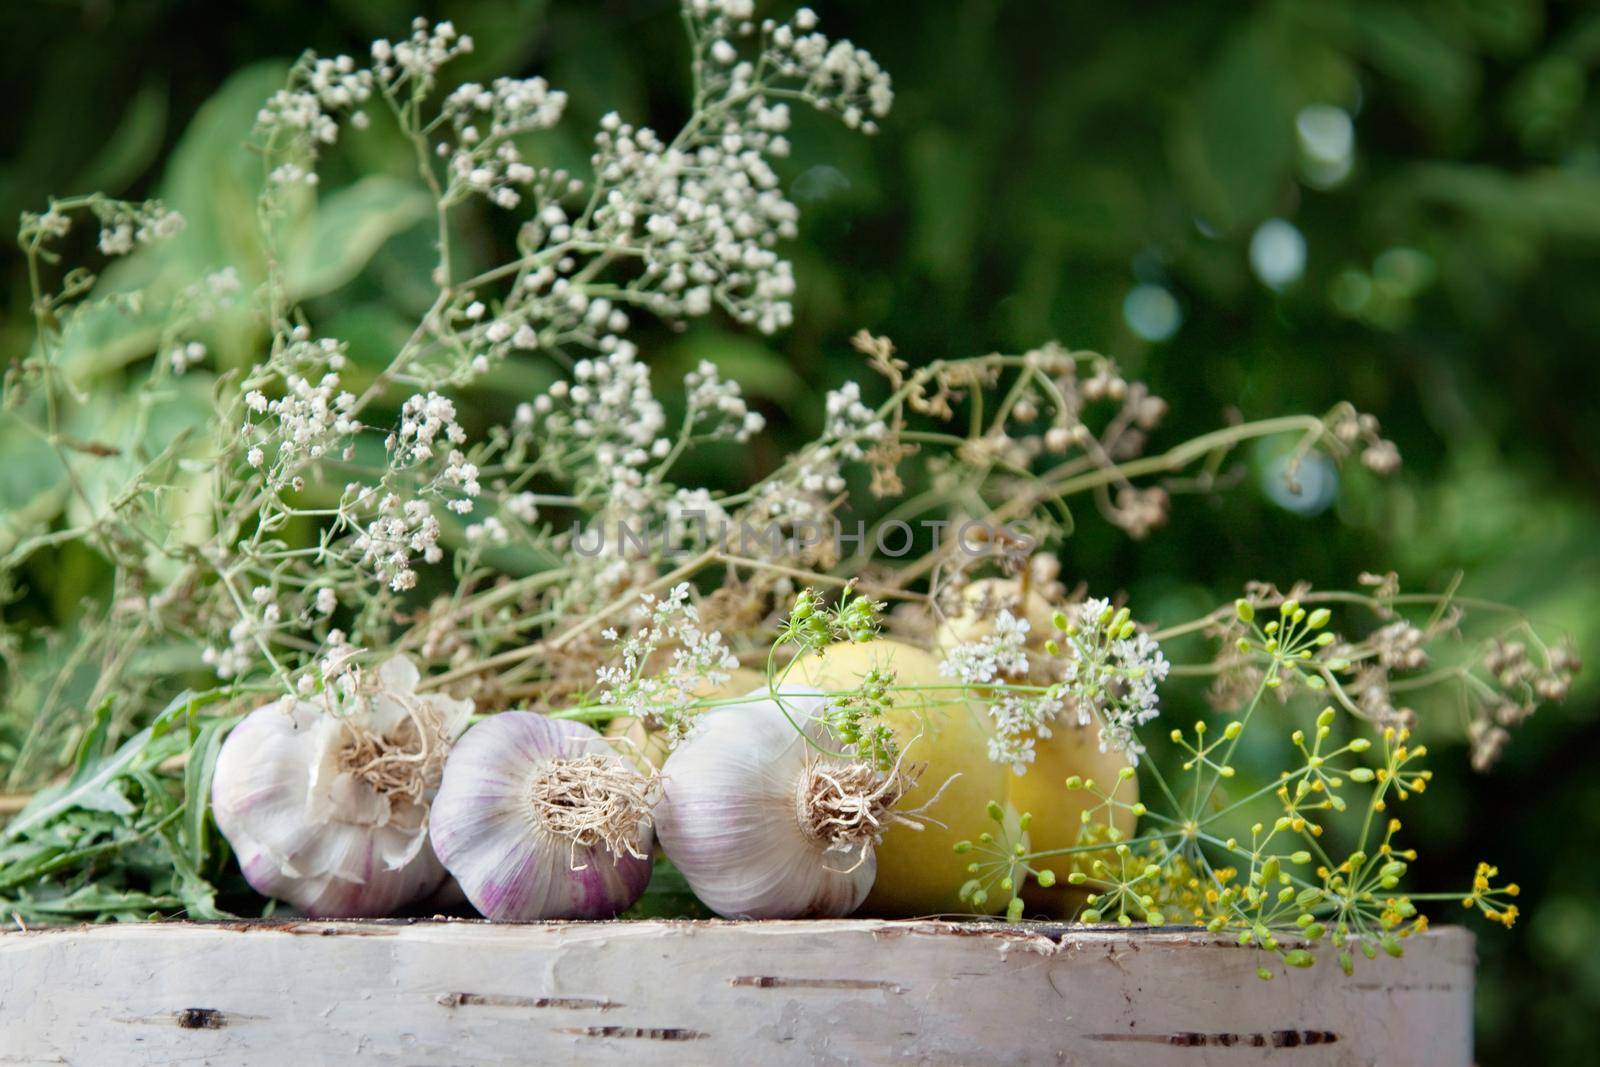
column 717, row 406
column 426, row 422
column 483, row 159
column 302, row 118
column 992, row 657
column 1112, row 674
column 607, row 423
column 1018, row 719
column 829, row 75
column 125, row 225
column 309, row 422
column 705, row 216
column 417, row 59
column 659, row 694
column 850, row 422
column 704, row 212
column 402, row 531
column 184, row 355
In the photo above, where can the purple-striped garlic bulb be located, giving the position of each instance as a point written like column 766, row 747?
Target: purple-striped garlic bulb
column 325, row 799
column 540, row 818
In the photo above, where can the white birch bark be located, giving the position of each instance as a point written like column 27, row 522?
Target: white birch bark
column 845, row 992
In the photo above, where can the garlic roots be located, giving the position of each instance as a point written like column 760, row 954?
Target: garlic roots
column 540, row 818
column 762, row 822
column 325, row 800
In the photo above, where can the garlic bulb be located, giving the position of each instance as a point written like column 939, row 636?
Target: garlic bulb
column 325, row 800
column 540, row 818
column 762, row 823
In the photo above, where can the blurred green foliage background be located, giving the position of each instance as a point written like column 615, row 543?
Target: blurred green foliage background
column 1257, row 208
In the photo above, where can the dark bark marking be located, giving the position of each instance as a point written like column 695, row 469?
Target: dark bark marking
column 508, row 1000
column 772, row 982
column 648, row 1033
column 201, row 1019
column 1196, row 1039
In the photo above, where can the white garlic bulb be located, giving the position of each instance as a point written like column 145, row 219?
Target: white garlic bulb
column 763, row 822
column 325, row 800
column 540, row 818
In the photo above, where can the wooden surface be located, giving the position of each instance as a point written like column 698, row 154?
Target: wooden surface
column 848, row 991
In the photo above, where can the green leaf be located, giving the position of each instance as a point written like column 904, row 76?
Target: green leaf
column 346, row 228
column 91, row 785
column 1233, row 148
column 197, row 787
column 134, row 144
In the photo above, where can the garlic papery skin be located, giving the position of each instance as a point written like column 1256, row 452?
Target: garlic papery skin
column 325, row 800
column 540, row 818
column 762, row 822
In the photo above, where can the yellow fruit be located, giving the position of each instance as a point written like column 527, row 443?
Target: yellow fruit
column 649, row 749
column 1057, row 812
column 919, row 872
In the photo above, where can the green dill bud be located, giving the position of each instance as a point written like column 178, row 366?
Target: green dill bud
column 1019, row 849
column 1014, row 910
column 1059, row 621
column 968, row 888
column 1288, row 607
column 1369, row 950
column 1090, row 915
column 1155, row 918
column 1270, row 628
column 1075, row 878
column 1325, row 717
column 1263, row 974
column 1027, row 818
column 1242, row 645
column 1347, row 964
column 986, row 838
column 996, row 812
column 1244, row 609
column 1046, row 878
column 1007, row 885
column 1324, row 640
column 980, row 898
column 1227, row 772
column 1300, row 857
column 1125, row 773
column 1298, row 958
column 1315, row 683
column 1318, row 619
column 1176, row 735
column 1074, row 783
column 974, row 867
column 1269, row 870
column 1233, row 729
column 1392, row 946
column 963, row 846
column 1138, row 810
column 1314, row 931
column 1360, row 744
column 1052, row 647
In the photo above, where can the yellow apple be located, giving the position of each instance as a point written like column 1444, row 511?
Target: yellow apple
column 919, row 871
